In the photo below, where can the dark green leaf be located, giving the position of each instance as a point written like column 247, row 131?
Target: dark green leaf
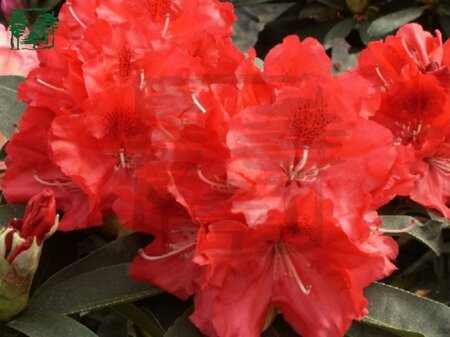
column 339, row 31
column 390, row 22
column 10, row 108
column 360, row 329
column 118, row 251
column 141, row 318
column 183, row 327
column 341, row 59
column 9, row 212
column 394, row 309
column 102, row 287
column 48, row 324
column 429, row 233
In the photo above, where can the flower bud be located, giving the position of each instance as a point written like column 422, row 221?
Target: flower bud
column 20, row 249
column 357, row 6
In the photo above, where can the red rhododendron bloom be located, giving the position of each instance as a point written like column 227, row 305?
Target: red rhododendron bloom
column 311, row 136
column 411, row 73
column 300, row 261
column 109, row 49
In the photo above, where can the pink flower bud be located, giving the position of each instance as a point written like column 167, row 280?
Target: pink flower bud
column 20, row 249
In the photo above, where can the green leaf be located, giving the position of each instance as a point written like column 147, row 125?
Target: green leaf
column 9, row 212
column 118, row 251
column 390, row 22
column 396, row 310
column 48, row 324
column 10, row 108
column 183, row 327
column 339, row 31
column 100, row 288
column 142, row 319
column 359, row 329
column 429, row 233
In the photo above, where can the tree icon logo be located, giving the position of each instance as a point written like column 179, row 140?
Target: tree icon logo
column 38, row 36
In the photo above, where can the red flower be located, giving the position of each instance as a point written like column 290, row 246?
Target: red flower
column 412, row 75
column 29, row 169
column 301, row 262
column 310, row 136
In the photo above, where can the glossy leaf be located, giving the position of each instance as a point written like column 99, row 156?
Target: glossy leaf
column 141, row 318
column 339, row 31
column 10, row 108
column 393, row 309
column 99, row 288
column 118, row 251
column 49, row 324
column 429, row 233
column 9, row 212
column 390, row 22
column 360, row 329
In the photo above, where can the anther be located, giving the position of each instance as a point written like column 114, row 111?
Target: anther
column 48, row 85
column 75, row 16
column 197, row 103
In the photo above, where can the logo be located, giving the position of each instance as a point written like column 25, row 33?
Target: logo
column 39, row 36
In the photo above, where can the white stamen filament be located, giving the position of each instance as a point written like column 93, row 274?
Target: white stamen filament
column 221, row 187
column 303, row 160
column 143, row 82
column 181, row 248
column 382, row 78
column 75, row 16
column 61, row 185
column 305, row 289
column 122, row 157
column 166, row 25
column 48, row 85
column 197, row 103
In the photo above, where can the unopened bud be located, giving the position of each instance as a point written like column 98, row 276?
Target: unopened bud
column 357, row 6
column 20, row 249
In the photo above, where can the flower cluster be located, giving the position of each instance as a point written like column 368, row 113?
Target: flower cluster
column 260, row 186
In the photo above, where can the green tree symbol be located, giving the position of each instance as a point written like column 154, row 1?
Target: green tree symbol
column 44, row 24
column 18, row 24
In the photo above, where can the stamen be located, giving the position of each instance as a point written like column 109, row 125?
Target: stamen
column 75, row 16
column 221, row 187
column 48, row 85
column 197, row 103
column 166, row 25
column 305, row 289
column 122, row 157
column 380, row 75
column 181, row 248
column 399, row 231
column 303, row 160
column 61, row 185
column 143, row 82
